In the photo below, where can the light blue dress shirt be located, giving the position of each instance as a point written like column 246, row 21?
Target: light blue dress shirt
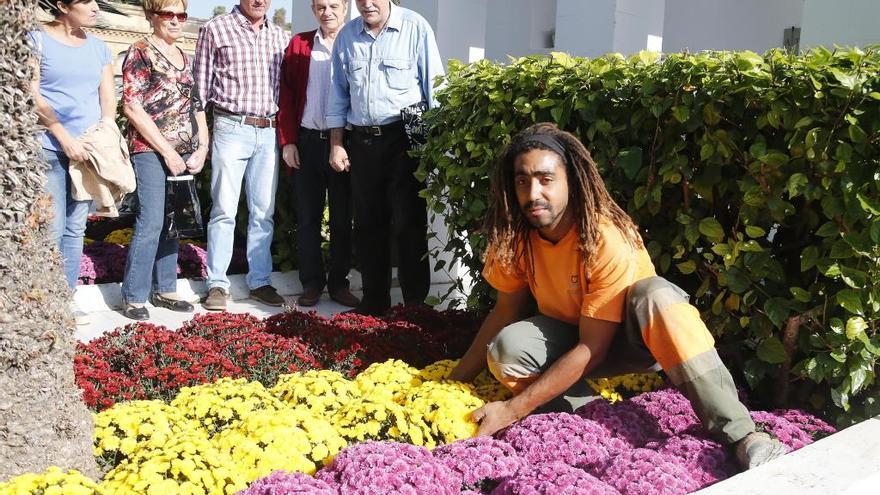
column 374, row 78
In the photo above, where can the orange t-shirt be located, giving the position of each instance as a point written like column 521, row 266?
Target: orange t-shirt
column 564, row 288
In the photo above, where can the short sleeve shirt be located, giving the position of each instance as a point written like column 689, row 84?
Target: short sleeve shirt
column 564, row 288
column 165, row 92
column 70, row 78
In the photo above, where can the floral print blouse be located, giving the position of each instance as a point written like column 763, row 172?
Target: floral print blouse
column 165, row 92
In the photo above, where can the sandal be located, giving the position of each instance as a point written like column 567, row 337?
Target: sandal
column 139, row 313
column 173, row 304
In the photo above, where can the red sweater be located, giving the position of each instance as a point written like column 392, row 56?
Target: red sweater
column 294, row 80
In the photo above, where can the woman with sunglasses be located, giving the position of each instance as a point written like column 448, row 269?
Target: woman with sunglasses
column 73, row 90
column 168, row 136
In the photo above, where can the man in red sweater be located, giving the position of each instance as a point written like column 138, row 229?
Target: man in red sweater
column 305, row 141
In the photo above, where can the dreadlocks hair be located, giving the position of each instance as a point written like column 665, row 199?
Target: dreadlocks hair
column 506, row 224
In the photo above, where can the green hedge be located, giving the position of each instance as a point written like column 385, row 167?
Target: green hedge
column 754, row 180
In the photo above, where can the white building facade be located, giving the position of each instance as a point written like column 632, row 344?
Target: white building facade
column 469, row 30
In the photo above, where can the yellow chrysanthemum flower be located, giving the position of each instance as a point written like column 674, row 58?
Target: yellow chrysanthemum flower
column 217, row 405
column 121, row 236
column 444, row 408
column 609, row 388
column 184, row 464
column 51, row 481
column 292, row 440
column 320, row 392
column 126, row 427
column 384, row 381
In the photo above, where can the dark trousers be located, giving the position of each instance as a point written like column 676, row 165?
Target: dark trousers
column 387, row 208
column 314, row 181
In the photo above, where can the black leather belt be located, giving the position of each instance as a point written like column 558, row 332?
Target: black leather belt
column 377, row 130
column 305, row 131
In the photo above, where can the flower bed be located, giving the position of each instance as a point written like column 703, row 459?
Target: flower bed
column 245, row 408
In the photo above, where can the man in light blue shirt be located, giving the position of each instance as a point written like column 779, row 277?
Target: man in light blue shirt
column 384, row 61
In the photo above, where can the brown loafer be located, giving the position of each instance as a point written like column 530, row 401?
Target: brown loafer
column 345, row 298
column 309, row 298
column 267, row 295
column 216, row 300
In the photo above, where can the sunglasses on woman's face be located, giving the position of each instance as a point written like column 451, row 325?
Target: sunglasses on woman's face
column 167, row 16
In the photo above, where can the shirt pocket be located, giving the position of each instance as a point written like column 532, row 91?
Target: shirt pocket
column 357, row 73
column 399, row 73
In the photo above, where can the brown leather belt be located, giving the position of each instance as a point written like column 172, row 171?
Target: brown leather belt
column 260, row 122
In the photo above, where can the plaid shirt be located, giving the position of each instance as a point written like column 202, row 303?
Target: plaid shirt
column 238, row 70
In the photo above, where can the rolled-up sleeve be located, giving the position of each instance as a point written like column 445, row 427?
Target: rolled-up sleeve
column 340, row 100
column 430, row 65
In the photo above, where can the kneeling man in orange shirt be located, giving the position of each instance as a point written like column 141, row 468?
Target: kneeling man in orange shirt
column 557, row 236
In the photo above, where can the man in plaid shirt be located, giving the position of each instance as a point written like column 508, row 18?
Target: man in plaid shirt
column 237, row 70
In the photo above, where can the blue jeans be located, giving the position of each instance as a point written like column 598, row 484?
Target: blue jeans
column 69, row 222
column 152, row 258
column 239, row 152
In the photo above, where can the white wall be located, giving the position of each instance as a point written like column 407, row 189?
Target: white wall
column 634, row 22
column 585, row 28
column 841, row 22
column 756, row 25
column 518, row 27
column 461, row 29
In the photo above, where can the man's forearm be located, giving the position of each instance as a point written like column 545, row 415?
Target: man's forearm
column 564, row 373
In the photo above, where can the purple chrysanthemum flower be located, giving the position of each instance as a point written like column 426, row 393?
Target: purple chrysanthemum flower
column 554, row 478
column 284, row 483
column 707, row 460
column 389, row 468
column 623, row 420
column 809, row 424
column 648, row 472
column 565, row 437
column 672, row 411
column 787, row 432
column 482, row 462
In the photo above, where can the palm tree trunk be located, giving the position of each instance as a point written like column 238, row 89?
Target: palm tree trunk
column 43, row 421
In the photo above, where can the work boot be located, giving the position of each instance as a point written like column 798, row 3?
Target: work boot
column 216, row 300
column 758, row 448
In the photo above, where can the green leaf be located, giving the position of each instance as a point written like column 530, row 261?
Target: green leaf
column 706, row 151
column 870, row 205
column 856, row 279
column 855, row 327
column 774, row 159
column 809, row 257
column 777, row 310
column 796, row 184
column 772, row 351
column 800, row 295
column 681, row 113
column 850, row 300
column 803, row 122
column 755, row 232
column 712, row 229
column 754, row 371
column 687, row 267
column 840, row 396
column 857, row 135
column 432, row 300
column 828, row 229
column 711, row 115
column 857, row 377
column 630, row 161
